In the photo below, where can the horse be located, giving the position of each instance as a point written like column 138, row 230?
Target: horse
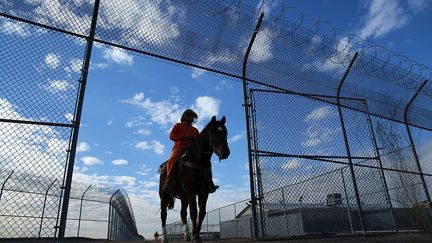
column 193, row 179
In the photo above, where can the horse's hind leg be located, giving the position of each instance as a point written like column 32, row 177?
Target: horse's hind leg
column 164, row 236
column 202, row 203
column 165, row 200
column 183, row 215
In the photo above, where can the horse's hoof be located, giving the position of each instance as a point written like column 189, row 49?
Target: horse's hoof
column 197, row 240
column 164, row 240
column 186, row 238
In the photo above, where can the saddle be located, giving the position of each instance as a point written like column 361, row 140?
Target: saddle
column 178, row 183
column 177, row 170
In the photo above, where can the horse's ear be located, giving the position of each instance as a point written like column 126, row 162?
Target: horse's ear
column 213, row 119
column 223, row 120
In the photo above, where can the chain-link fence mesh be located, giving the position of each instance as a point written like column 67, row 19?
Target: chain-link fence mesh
column 303, row 178
column 27, row 203
column 295, row 136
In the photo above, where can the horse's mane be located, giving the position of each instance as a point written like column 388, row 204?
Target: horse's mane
column 207, row 127
column 204, row 133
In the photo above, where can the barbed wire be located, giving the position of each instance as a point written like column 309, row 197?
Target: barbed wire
column 293, row 28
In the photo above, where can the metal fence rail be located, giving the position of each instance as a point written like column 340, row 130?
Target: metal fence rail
column 353, row 101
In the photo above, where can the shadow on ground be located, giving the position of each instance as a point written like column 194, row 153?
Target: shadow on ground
column 424, row 237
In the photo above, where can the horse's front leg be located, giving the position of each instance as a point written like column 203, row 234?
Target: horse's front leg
column 202, row 203
column 183, row 216
column 193, row 215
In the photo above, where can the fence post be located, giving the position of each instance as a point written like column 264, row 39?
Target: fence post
column 411, row 140
column 378, row 155
column 111, row 208
column 220, row 223
column 76, row 123
column 4, row 183
column 248, row 134
column 347, row 201
column 235, row 219
column 285, row 212
column 79, row 218
column 207, row 224
column 346, row 143
column 44, row 204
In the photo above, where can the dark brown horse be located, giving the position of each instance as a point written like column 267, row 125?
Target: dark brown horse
column 194, row 178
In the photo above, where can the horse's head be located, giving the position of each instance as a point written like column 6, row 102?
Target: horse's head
column 218, row 137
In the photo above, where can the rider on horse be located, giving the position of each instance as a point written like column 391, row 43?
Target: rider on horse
column 182, row 134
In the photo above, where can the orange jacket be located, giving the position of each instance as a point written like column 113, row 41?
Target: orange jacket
column 181, row 133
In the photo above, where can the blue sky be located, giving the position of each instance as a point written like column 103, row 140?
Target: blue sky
column 111, row 105
column 131, row 101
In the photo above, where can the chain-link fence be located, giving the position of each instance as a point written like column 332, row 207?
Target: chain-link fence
column 27, row 203
column 231, row 221
column 321, row 105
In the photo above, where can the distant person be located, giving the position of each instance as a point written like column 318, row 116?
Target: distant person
column 183, row 133
column 156, row 235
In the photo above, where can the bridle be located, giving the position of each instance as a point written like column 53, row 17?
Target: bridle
column 216, row 146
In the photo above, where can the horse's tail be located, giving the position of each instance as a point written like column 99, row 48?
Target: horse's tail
column 162, row 167
column 170, row 202
column 169, row 199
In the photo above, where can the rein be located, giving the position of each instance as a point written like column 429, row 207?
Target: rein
column 196, row 167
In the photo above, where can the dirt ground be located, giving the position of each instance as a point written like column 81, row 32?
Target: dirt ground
column 425, row 237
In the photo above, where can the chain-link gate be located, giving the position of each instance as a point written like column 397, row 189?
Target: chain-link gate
column 302, row 176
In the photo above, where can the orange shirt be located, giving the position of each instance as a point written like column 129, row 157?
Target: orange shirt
column 182, row 132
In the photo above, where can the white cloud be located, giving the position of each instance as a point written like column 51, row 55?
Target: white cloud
column 144, row 131
column 319, row 113
column 246, row 166
column 154, row 145
column 149, row 184
column 11, row 28
column 118, row 56
column 161, row 112
column 237, row 137
column 89, row 160
column 54, row 13
column 127, row 181
column 144, row 170
column 206, row 106
column 291, row 164
column 110, row 122
column 56, row 86
column 383, row 17
column 223, row 85
column 197, row 72
column 75, row 65
column 119, row 162
column 69, row 116
column 262, row 48
column 52, row 60
column 82, row 147
column 39, row 144
column 138, row 121
column 99, row 65
column 165, row 112
column 417, row 5
column 145, row 21
column 319, row 127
